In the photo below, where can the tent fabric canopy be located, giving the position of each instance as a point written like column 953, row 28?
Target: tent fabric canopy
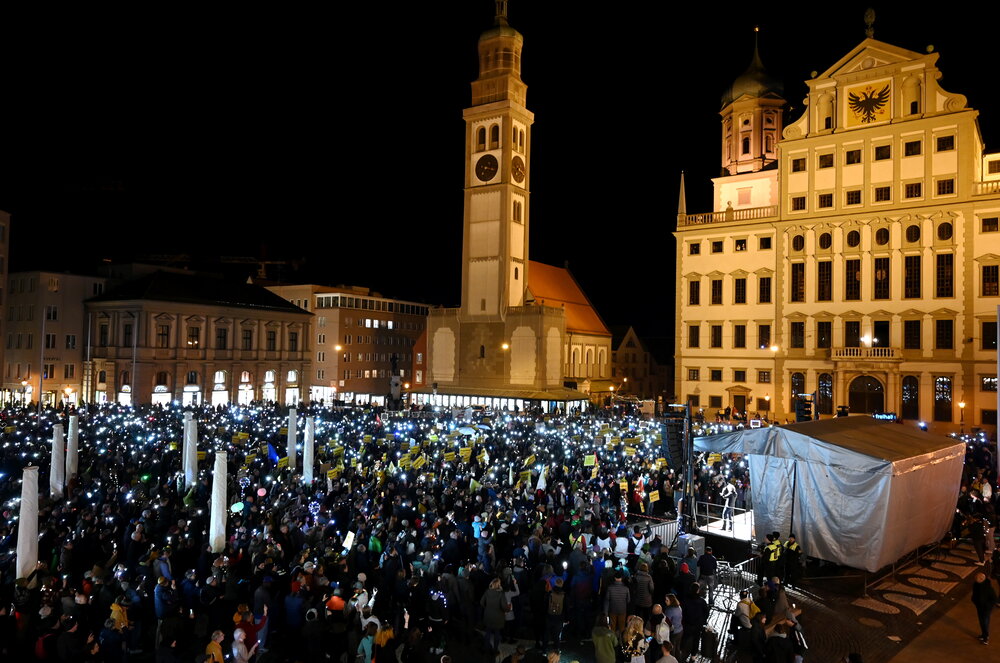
column 857, row 491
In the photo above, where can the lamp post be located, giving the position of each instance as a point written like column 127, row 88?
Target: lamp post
column 961, row 419
column 24, row 393
column 767, row 405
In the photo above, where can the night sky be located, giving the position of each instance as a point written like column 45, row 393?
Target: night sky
column 337, row 137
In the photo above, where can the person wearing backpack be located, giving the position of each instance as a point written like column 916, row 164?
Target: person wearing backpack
column 659, row 625
column 555, row 614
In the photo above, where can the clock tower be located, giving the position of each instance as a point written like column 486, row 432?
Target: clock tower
column 497, row 173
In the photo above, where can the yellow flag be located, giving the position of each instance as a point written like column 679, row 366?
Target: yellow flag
column 629, row 451
column 283, row 462
column 530, row 460
column 593, row 473
column 449, row 456
column 654, row 496
column 201, row 455
column 623, row 484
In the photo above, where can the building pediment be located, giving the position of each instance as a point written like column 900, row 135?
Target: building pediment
column 987, row 257
column 248, row 323
column 911, row 313
column 164, row 318
column 194, row 319
column 222, row 322
column 797, row 315
column 851, row 314
column 738, row 273
column 823, row 314
column 764, row 271
column 882, row 313
column 868, row 57
column 693, row 276
column 943, row 313
column 715, row 274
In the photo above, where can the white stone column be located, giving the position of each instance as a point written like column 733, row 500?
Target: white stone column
column 217, row 522
column 57, row 470
column 27, row 523
column 190, row 452
column 293, row 421
column 73, row 447
column 308, row 451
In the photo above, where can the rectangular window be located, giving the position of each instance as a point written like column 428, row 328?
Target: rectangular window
column 716, row 336
column 945, row 187
column 911, row 148
column 764, row 377
column 247, row 339
column 826, row 161
column 763, row 336
column 51, row 312
column 127, row 335
column 798, row 284
column 912, row 190
column 694, row 374
column 824, row 334
column 989, row 335
column 740, row 291
column 945, row 281
column 883, row 194
column 764, row 287
column 50, row 341
column 824, row 281
column 798, row 165
column 739, row 336
column 911, row 334
column 798, row 203
column 740, row 245
column 852, row 279
column 798, row 330
column 71, row 341
column 221, row 338
column 694, row 248
column 988, row 417
column 854, row 197
column 988, row 383
column 740, row 375
column 716, row 291
column 694, row 400
column 194, row 337
column 694, row 336
column 944, row 334
column 991, row 280
column 764, row 244
column 716, row 375
column 715, row 401
column 48, row 371
column 717, row 246
column 993, row 167
column 990, row 224
column 69, row 371
column 911, row 277
column 293, row 341
column 694, row 293
column 162, row 336
column 852, row 157
column 945, row 143
column 272, row 341
column 852, row 333
column 883, row 152
column 825, row 200
column 881, row 279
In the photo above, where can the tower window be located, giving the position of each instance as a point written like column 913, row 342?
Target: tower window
column 482, row 351
column 854, row 197
column 494, row 137
column 481, row 139
column 516, row 274
column 826, row 200
column 853, row 238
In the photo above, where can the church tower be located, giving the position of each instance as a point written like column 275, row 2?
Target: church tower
column 751, row 119
column 497, row 173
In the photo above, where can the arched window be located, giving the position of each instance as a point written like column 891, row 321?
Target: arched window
column 481, row 139
column 746, row 145
column 515, row 274
column 824, row 394
column 520, row 140
column 911, row 398
column 769, row 143
column 245, row 376
column 601, row 362
column 798, row 385
column 292, row 377
column 102, row 376
column 219, row 377
column 125, row 378
column 163, row 378
column 494, row 137
column 268, row 376
column 942, row 399
column 192, row 377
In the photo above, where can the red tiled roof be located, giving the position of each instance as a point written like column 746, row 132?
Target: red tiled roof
column 556, row 287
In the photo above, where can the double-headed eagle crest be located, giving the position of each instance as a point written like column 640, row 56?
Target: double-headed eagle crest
column 868, row 103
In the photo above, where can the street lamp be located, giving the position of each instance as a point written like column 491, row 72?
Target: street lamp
column 24, row 393
column 767, row 405
column 504, row 346
column 961, row 410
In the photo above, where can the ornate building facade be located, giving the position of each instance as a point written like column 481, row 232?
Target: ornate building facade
column 853, row 253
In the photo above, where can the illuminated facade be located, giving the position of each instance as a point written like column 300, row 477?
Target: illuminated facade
column 513, row 340
column 857, row 257
column 45, row 335
column 359, row 337
column 183, row 337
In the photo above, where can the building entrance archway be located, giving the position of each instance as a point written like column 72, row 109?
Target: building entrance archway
column 866, row 395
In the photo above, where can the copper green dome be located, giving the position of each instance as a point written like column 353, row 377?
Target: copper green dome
column 755, row 82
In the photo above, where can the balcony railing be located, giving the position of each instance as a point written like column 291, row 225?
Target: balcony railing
column 986, row 188
column 729, row 215
column 865, row 353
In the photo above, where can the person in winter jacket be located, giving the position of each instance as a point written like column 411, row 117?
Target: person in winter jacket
column 616, row 601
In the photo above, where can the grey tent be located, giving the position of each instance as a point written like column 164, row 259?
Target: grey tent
column 857, row 491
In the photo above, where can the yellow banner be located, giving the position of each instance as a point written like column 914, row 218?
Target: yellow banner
column 525, row 476
column 243, row 436
column 654, row 496
column 593, row 473
column 331, row 474
column 482, row 457
column 282, row 431
column 250, row 458
column 10, row 429
column 661, row 462
column 590, row 460
column 449, row 456
column 420, row 462
column 623, row 484
column 530, row 460
column 354, row 462
column 283, row 462
column 201, row 455
column 714, row 458
column 236, row 439
column 466, row 453
column 629, row 451
column 173, row 446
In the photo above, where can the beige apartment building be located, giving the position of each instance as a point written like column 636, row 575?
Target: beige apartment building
column 191, row 338
column 853, row 253
column 45, row 335
column 363, row 343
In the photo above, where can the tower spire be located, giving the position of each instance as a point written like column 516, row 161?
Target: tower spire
column 501, row 16
column 681, row 201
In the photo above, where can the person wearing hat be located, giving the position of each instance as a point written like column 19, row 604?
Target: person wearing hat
column 792, row 558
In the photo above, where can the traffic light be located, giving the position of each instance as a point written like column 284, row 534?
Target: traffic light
column 803, row 409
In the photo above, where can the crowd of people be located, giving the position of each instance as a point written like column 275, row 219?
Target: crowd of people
column 425, row 537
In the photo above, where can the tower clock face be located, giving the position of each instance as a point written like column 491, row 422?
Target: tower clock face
column 486, row 167
column 517, row 169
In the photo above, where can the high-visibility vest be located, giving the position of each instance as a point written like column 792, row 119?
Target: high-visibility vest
column 775, row 552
